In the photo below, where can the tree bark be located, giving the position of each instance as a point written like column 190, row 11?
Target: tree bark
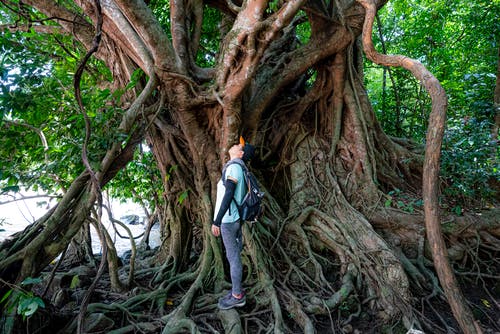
column 326, row 241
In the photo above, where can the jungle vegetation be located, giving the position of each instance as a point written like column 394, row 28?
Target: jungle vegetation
column 376, row 127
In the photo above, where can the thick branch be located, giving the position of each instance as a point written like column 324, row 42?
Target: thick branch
column 179, row 33
column 70, row 21
column 146, row 25
column 41, row 29
column 300, row 61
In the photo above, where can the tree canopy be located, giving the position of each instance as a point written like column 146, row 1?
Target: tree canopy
column 353, row 217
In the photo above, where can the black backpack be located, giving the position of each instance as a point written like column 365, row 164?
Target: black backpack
column 251, row 208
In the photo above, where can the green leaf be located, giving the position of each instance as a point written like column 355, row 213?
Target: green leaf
column 182, row 196
column 75, row 281
column 27, row 308
column 6, row 295
column 11, row 189
column 135, row 78
column 40, row 302
column 29, row 304
column 29, row 280
column 457, row 210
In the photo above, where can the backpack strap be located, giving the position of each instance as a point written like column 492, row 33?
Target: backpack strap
column 244, row 169
column 232, row 162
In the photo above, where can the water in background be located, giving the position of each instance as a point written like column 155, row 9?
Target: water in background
column 16, row 216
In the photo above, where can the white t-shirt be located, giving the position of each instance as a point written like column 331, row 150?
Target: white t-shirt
column 235, row 172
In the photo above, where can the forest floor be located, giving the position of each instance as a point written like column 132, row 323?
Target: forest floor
column 65, row 294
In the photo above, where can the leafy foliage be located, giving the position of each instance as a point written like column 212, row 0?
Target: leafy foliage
column 139, row 182
column 470, row 162
column 458, row 42
column 24, row 302
column 38, row 104
column 206, row 56
column 400, row 200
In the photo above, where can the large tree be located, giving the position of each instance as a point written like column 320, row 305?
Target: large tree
column 288, row 76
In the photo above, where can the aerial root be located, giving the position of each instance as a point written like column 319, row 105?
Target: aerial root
column 165, row 272
column 259, row 256
column 413, row 272
column 230, row 321
column 324, row 306
column 296, row 310
column 177, row 322
column 142, row 327
column 382, row 272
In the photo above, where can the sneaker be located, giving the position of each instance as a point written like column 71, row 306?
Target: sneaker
column 229, row 301
column 226, row 297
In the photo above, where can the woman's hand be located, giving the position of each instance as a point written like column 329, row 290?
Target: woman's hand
column 215, row 230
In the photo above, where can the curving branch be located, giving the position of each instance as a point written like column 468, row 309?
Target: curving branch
column 196, row 7
column 71, row 21
column 119, row 28
column 149, row 29
column 186, row 27
column 233, row 7
column 41, row 29
column 434, row 138
column 300, row 60
column 78, row 95
column 95, row 183
column 283, row 17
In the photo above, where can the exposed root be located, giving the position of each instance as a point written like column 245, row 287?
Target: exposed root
column 323, row 265
column 262, row 265
column 321, row 271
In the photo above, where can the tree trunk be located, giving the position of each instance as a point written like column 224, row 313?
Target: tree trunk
column 45, row 239
column 323, row 161
column 80, row 248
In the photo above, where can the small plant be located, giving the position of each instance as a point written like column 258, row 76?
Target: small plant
column 25, row 302
column 182, row 197
column 400, row 200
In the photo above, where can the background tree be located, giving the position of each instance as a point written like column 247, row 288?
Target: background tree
column 188, row 78
column 458, row 43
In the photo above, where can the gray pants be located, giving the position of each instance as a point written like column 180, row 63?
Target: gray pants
column 232, row 238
